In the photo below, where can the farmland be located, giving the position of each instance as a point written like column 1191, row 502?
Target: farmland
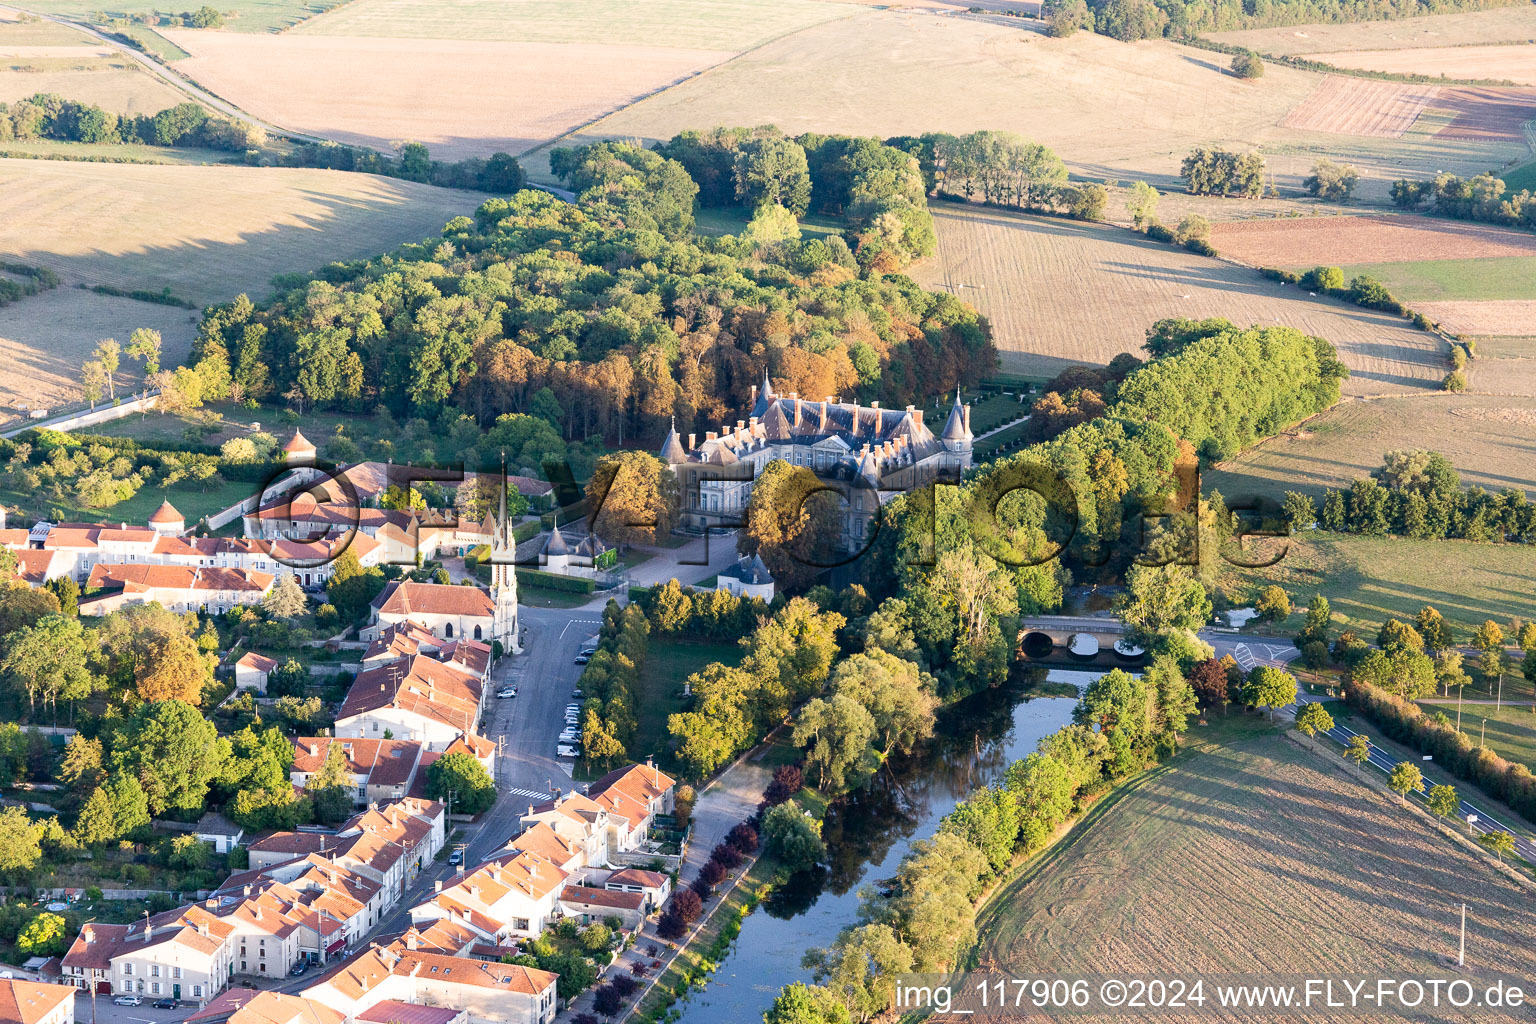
column 460, row 97
column 1485, row 437
column 113, row 83
column 206, row 233
column 1059, row 292
column 1357, row 106
column 1337, row 241
column 1513, row 63
column 1372, row 579
column 686, row 24
column 45, row 338
column 250, row 16
column 1500, row 25
column 1252, row 854
column 1439, row 280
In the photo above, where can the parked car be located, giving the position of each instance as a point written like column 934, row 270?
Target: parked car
column 567, row 750
column 582, row 659
column 299, row 969
column 505, row 692
column 589, row 651
column 569, row 736
column 164, row 1004
column 128, row 1001
column 576, row 692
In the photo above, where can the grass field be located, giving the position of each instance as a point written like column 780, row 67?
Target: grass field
column 462, row 97
column 113, row 153
column 248, row 16
column 15, row 32
column 1340, row 241
column 659, row 692
column 207, row 233
column 1503, row 277
column 192, row 501
column 114, row 84
column 1511, row 731
column 44, row 338
column 1501, row 25
column 1250, row 854
column 1486, row 437
column 686, row 24
column 1060, row 291
column 1372, row 579
column 1500, row 63
column 1517, row 178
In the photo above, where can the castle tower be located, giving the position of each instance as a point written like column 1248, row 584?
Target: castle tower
column 957, row 434
column 504, row 578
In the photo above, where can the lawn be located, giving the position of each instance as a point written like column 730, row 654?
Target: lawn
column 192, row 501
column 1503, row 277
column 1371, row 579
column 1518, row 178
column 1510, row 731
column 659, row 692
column 1248, row 853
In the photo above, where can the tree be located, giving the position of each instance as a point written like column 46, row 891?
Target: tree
column 175, row 754
column 144, row 345
column 773, row 172
column 1396, row 635
column 20, row 842
column 1312, row 718
column 93, row 381
column 1331, row 181
column 1067, row 16
column 792, row 522
column 109, row 354
column 1274, row 604
column 286, row 599
column 1488, row 636
column 68, row 593
column 793, row 837
column 1501, row 843
column 49, row 659
column 861, row 967
column 799, row 1003
column 1433, row 629
column 1300, row 511
column 1248, row 65
column 1209, row 681
column 1315, row 626
column 632, row 498
column 1141, row 204
column 1270, row 688
column 989, row 820
column 44, row 935
column 1130, row 20
column 465, row 779
column 1161, row 598
column 1443, row 801
column 331, row 787
column 1405, row 778
column 1358, row 750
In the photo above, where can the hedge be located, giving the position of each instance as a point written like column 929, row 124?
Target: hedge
column 555, row 581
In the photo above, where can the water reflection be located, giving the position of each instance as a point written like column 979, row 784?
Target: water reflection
column 973, row 745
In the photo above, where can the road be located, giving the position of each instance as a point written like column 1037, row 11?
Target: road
column 161, row 71
column 1485, row 822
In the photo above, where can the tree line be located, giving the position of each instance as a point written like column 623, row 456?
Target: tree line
column 1482, row 198
column 50, row 116
column 499, row 172
column 1129, row 20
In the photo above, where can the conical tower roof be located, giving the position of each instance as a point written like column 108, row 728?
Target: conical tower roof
column 954, row 427
column 167, row 514
column 672, row 452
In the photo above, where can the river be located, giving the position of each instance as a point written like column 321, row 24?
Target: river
column 867, row 836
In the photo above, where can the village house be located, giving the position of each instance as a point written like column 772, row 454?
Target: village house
column 180, row 589
column 35, row 1002
column 419, row 698
column 381, row 770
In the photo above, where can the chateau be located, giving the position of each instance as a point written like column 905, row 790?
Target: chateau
column 867, row 453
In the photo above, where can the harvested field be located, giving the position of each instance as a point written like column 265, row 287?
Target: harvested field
column 460, row 97
column 1516, row 21
column 207, row 233
column 1486, row 437
column 1372, row 579
column 1337, row 241
column 1509, row 317
column 15, row 32
column 1486, row 115
column 1488, row 278
column 1341, row 105
column 1110, row 109
column 249, row 16
column 1515, row 63
column 1250, row 855
column 120, row 87
column 689, row 24
column 45, row 337
column 1060, row 292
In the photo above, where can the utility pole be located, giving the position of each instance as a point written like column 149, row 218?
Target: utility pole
column 1458, row 706
column 1461, row 957
column 1484, row 736
column 1498, row 702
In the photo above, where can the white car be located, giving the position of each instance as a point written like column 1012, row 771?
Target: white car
column 505, row 692
column 128, row 1001
column 567, row 750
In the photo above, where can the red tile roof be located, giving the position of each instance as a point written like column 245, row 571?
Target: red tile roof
column 26, row 1002
column 403, row 597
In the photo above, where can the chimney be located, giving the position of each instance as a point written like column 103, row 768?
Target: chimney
column 798, row 413
column 89, row 934
column 754, row 395
column 257, row 913
column 740, row 424
column 437, row 886
column 875, row 406
column 966, row 417
column 710, row 435
column 410, row 941
column 917, row 414
column 314, row 750
column 691, row 441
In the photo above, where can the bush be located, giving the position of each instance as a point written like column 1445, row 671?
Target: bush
column 607, row 1001
column 793, row 837
column 1323, row 279
column 1331, row 181
column 1248, row 65
column 1456, row 380
column 625, row 984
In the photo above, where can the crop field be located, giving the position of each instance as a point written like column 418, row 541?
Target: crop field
column 461, row 97
column 207, row 233
column 1500, row 25
column 1437, row 280
column 1486, row 114
column 1486, row 437
column 44, row 339
column 1249, row 853
column 1372, row 579
column 1060, row 292
column 1507, row 317
column 1338, row 241
column 15, row 33
column 686, row 24
column 1341, row 105
column 1516, row 63
column 247, row 16
column 114, row 83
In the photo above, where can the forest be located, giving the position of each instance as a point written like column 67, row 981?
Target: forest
column 607, row 315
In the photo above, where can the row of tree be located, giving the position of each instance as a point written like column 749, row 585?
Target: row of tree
column 50, row 116
column 499, row 172
column 1219, row 172
column 1147, row 19
column 1482, row 197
